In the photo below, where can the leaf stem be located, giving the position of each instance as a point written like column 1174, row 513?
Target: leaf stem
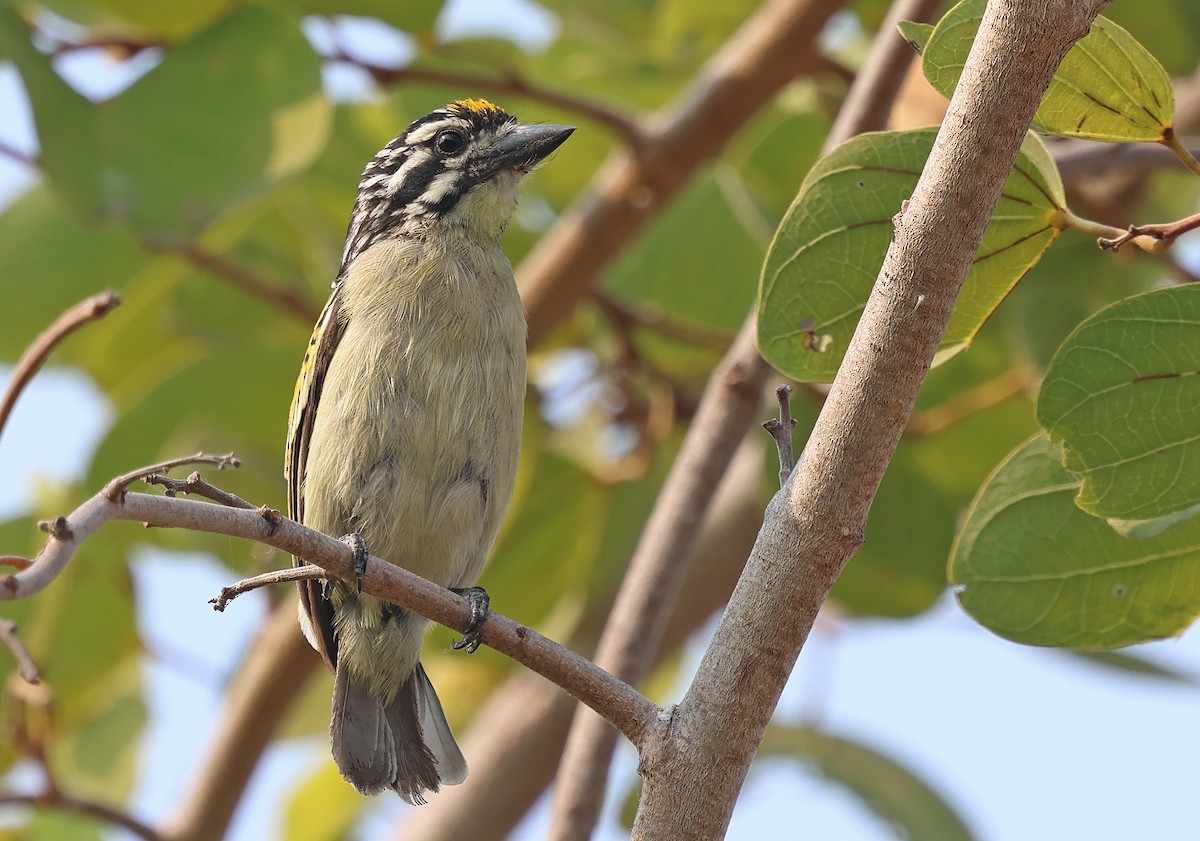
column 1171, row 141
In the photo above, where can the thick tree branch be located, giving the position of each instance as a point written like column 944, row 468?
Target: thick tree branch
column 729, row 406
column 89, row 309
column 815, row 524
column 616, row 701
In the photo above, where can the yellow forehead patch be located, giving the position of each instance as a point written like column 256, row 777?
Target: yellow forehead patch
column 477, row 106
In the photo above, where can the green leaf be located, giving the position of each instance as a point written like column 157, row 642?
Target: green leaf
column 1122, row 395
column 830, row 247
column 98, row 756
column 322, row 808
column 148, row 19
column 255, row 113
column 699, row 236
column 1132, row 666
column 94, row 591
column 415, row 16
column 916, row 34
column 1034, row 568
column 901, row 570
column 66, row 125
column 45, row 277
column 50, row 824
column 887, row 788
column 1109, row 87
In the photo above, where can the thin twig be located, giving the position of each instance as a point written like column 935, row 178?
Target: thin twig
column 195, row 485
column 654, row 319
column 17, row 155
column 275, row 293
column 89, row 309
column 80, row 806
column 626, row 127
column 308, row 572
column 119, row 485
column 781, row 430
column 1162, row 234
column 25, row 665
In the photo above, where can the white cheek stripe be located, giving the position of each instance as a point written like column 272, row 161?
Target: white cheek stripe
column 418, row 157
column 440, row 187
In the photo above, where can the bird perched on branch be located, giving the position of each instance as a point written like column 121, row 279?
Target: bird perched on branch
column 406, row 423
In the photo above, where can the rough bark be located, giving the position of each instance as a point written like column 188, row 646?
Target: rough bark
column 696, row 763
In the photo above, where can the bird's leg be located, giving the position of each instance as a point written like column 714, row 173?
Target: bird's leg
column 358, row 546
column 480, row 608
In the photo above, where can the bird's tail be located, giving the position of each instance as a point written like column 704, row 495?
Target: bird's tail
column 406, row 745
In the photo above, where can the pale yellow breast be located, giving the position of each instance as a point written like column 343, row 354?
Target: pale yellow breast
column 422, row 400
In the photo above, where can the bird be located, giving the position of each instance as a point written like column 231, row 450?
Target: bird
column 405, row 426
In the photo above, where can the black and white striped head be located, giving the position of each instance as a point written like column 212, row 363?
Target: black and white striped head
column 458, row 166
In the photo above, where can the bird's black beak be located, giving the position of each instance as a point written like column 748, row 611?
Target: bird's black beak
column 522, row 148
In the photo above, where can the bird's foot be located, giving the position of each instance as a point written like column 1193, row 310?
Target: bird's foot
column 480, row 608
column 358, row 546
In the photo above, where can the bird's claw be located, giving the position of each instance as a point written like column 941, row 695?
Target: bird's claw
column 480, row 608
column 358, row 546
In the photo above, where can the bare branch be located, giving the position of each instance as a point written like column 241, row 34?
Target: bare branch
column 276, row 293
column 509, row 82
column 616, row 701
column 814, row 525
column 1161, row 235
column 277, row 576
column 80, row 806
column 649, row 317
column 17, row 155
column 729, row 405
column 117, row 487
column 89, row 309
column 195, row 485
column 25, row 665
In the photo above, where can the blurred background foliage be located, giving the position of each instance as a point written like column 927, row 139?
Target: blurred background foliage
column 185, row 147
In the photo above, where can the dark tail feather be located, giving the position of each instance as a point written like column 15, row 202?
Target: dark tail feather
column 362, row 744
column 377, row 748
column 451, row 764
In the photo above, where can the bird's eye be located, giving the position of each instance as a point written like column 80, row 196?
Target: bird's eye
column 449, row 142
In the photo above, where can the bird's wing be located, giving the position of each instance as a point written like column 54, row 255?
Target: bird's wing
column 316, row 615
